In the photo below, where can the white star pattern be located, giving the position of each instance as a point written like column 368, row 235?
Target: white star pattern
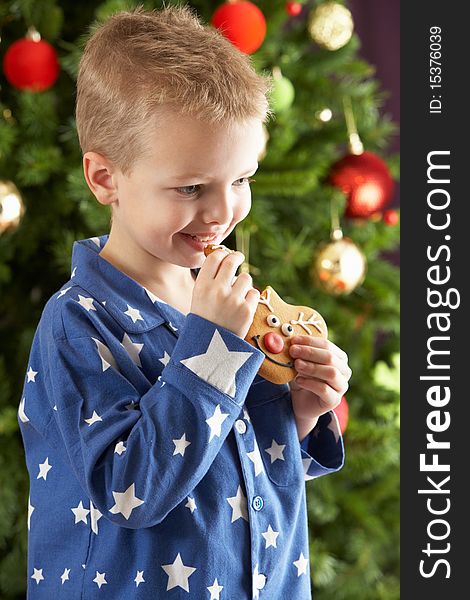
column 100, row 579
column 246, row 416
column 37, row 575
column 31, row 375
column 133, row 349
column 239, row 506
column 191, row 504
column 21, row 413
column 119, row 448
column 178, row 574
column 276, row 451
column 80, row 513
column 256, row 459
column 126, row 502
column 165, row 359
column 65, row 576
column 30, row 512
column 333, row 426
column 180, row 445
column 301, row 565
column 174, row 328
column 259, row 581
column 270, row 536
column 107, row 359
column 96, row 240
column 218, row 365
column 215, row 422
column 306, row 464
column 73, row 272
column 215, row 590
column 87, row 303
column 93, row 419
column 44, row 469
column 95, row 516
column 63, row 292
column 133, row 313
column 139, row 578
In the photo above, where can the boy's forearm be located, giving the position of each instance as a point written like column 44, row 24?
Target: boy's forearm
column 304, row 426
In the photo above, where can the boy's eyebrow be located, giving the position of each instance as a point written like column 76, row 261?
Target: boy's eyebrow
column 201, row 176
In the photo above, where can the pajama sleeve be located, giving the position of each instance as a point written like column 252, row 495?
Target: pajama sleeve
column 322, row 449
column 138, row 453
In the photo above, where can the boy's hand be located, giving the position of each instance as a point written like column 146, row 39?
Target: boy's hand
column 323, row 375
column 217, row 300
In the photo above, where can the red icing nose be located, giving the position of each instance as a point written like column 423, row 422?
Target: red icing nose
column 273, row 342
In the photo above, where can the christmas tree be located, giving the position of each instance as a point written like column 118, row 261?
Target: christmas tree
column 318, row 233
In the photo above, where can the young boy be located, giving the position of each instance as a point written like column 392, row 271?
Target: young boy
column 161, row 464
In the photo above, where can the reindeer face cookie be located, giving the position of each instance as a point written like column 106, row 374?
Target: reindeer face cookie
column 274, row 324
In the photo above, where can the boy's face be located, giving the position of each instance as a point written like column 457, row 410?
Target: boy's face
column 195, row 181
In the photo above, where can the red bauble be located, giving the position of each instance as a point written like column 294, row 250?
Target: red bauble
column 293, row 8
column 366, row 180
column 242, row 23
column 30, row 65
column 342, row 412
column 391, row 217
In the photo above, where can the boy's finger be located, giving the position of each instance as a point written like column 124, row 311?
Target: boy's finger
column 228, row 268
column 319, row 342
column 211, row 265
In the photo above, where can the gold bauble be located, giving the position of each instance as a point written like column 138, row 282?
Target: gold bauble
column 331, row 25
column 339, row 266
column 11, row 205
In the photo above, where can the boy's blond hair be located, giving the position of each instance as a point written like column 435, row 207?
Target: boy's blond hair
column 138, row 63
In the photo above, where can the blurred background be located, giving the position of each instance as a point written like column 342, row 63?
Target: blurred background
column 323, row 231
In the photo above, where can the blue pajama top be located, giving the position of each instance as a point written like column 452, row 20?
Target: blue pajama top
column 161, row 465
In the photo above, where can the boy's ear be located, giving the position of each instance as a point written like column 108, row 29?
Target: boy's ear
column 100, row 175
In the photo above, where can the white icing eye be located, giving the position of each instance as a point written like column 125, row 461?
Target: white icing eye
column 287, row 329
column 273, row 321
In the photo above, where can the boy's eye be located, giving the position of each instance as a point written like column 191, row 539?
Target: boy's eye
column 191, row 190
column 187, row 190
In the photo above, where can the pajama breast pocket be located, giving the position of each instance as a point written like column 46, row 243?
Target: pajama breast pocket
column 272, row 417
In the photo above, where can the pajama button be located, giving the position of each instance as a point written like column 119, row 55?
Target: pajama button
column 240, row 426
column 257, row 503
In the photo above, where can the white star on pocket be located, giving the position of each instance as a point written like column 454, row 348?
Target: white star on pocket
column 276, row 451
column 218, row 365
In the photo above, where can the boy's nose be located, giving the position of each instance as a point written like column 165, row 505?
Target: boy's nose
column 273, row 342
column 219, row 210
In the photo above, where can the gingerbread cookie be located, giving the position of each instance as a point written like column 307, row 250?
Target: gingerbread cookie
column 274, row 324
